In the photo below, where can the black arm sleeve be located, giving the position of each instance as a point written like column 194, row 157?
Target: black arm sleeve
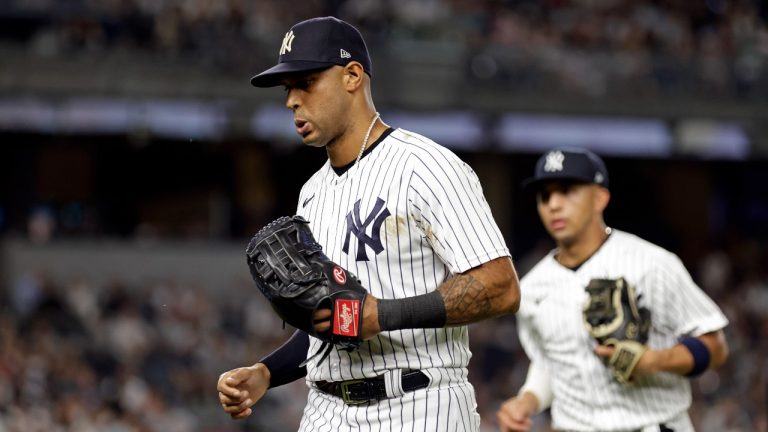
column 283, row 363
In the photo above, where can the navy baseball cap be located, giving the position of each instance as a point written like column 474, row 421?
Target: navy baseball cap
column 315, row 44
column 570, row 164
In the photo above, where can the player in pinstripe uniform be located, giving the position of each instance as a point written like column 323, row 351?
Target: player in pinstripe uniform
column 566, row 370
column 409, row 219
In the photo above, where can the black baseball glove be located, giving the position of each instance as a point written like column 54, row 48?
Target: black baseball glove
column 613, row 317
column 297, row 278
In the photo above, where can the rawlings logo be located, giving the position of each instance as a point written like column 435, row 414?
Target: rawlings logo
column 347, row 314
column 339, row 275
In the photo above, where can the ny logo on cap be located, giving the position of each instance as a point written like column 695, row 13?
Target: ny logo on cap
column 287, row 41
column 554, row 161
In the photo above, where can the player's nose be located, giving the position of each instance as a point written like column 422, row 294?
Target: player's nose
column 292, row 101
column 555, row 201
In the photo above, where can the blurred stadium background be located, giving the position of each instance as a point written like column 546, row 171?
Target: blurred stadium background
column 136, row 161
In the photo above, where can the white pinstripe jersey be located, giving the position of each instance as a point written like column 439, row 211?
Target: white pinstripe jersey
column 403, row 219
column 586, row 397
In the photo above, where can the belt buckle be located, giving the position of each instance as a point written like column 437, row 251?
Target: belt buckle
column 345, row 392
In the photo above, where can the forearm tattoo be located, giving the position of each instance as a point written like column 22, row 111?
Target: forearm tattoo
column 466, row 300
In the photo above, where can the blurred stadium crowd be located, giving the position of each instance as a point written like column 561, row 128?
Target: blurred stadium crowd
column 593, row 47
column 75, row 356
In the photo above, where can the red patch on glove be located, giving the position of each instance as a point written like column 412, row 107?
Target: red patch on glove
column 347, row 315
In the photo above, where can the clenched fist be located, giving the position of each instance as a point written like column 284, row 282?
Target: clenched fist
column 239, row 389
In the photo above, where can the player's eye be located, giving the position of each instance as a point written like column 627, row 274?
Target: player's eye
column 299, row 84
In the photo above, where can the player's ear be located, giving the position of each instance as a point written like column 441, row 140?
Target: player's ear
column 602, row 197
column 353, row 75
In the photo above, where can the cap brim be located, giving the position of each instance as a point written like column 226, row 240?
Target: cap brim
column 272, row 76
column 534, row 183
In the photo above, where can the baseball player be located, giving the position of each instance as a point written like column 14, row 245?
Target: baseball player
column 589, row 386
column 408, row 218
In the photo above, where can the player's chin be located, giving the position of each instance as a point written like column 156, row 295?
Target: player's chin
column 313, row 140
column 561, row 235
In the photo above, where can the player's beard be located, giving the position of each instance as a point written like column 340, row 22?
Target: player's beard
column 317, row 141
column 320, row 139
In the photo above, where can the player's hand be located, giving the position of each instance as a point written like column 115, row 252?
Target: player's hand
column 239, row 389
column 647, row 364
column 515, row 414
column 370, row 318
column 322, row 318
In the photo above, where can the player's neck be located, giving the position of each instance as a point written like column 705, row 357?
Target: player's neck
column 574, row 253
column 345, row 148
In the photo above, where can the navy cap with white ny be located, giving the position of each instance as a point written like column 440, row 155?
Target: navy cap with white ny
column 316, row 44
column 569, row 164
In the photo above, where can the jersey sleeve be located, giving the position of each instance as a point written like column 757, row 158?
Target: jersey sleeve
column 526, row 331
column 684, row 309
column 446, row 200
column 539, row 382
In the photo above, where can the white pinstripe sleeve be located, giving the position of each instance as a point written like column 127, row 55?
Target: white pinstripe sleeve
column 539, row 382
column 688, row 310
column 529, row 338
column 447, row 203
column 530, row 296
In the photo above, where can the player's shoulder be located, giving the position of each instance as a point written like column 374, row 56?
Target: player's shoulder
column 420, row 146
column 540, row 272
column 538, row 283
column 430, row 160
column 411, row 140
column 629, row 244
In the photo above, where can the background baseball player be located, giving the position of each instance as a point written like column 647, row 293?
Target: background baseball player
column 568, row 368
column 409, row 219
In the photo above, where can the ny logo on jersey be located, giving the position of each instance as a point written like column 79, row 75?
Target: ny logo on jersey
column 287, row 41
column 359, row 229
column 554, row 161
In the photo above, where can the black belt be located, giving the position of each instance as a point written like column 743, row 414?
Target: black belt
column 360, row 391
column 662, row 428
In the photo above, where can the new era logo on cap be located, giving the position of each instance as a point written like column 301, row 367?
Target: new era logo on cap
column 344, row 54
column 599, row 177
